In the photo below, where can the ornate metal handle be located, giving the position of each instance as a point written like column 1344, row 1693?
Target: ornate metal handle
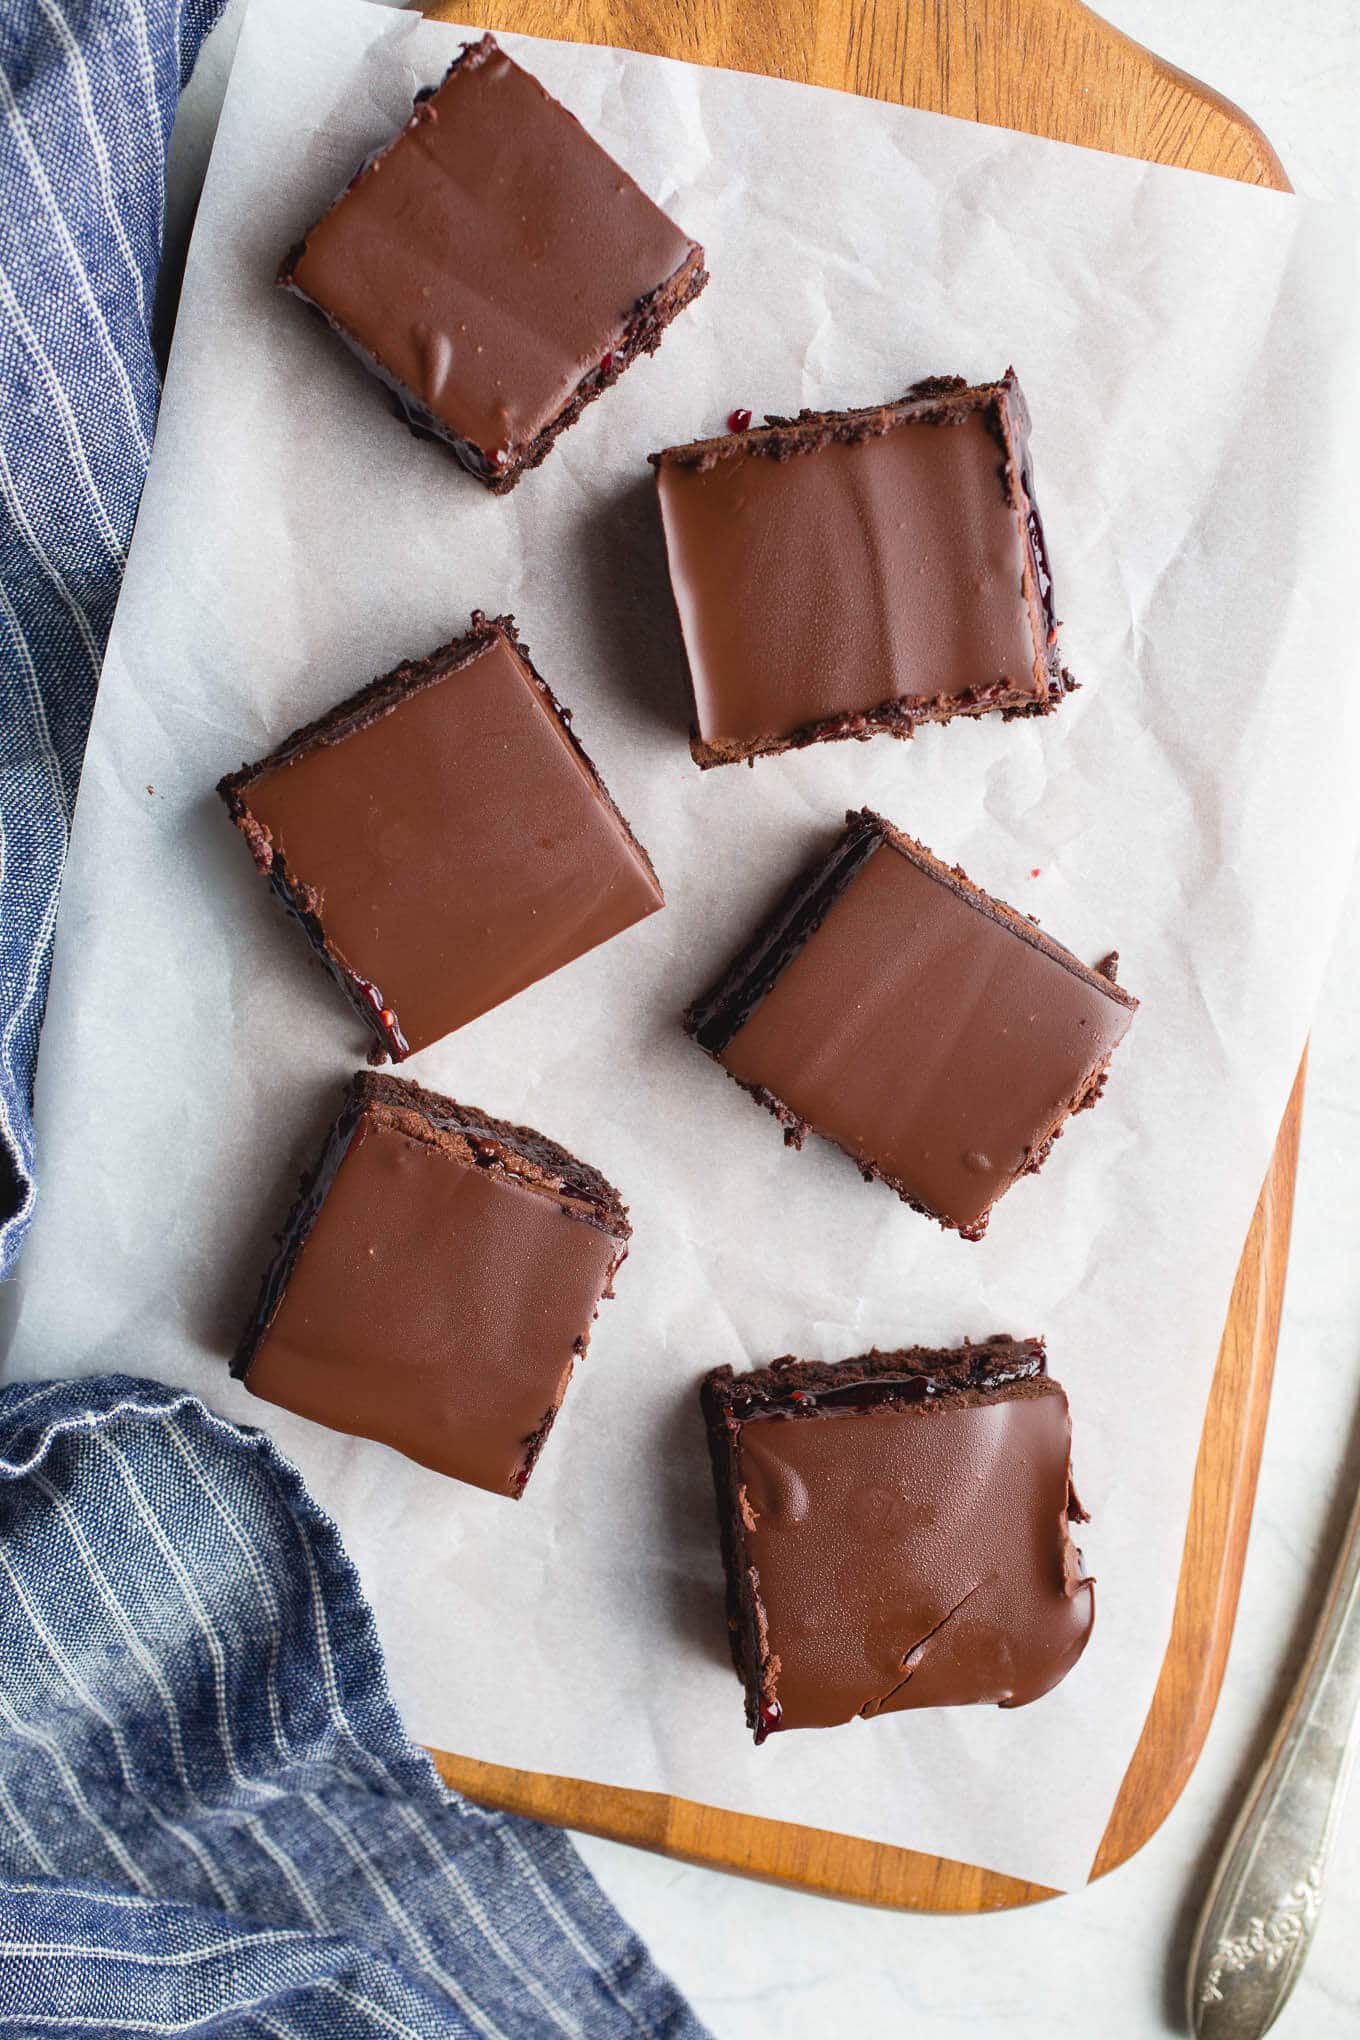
column 1264, row 1901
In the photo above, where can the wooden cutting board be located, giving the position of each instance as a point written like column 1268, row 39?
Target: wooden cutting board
column 1048, row 67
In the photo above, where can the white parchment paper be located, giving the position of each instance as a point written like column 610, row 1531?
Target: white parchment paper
column 1183, row 343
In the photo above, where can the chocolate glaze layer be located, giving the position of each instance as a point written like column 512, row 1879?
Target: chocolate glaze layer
column 931, row 1031
column 847, row 572
column 435, row 1282
column 494, row 266
column 897, row 1532
column 443, row 838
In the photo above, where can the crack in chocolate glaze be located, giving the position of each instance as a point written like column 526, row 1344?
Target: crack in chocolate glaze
column 912, row 1658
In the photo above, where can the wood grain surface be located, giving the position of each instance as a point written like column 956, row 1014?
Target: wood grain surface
column 1048, row 67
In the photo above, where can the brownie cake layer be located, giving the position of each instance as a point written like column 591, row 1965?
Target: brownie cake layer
column 896, row 1532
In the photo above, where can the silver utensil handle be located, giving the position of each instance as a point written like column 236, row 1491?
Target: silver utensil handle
column 1263, row 1904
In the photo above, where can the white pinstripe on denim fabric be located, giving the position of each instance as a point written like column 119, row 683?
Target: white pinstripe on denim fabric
column 566, row 1926
column 22, row 1827
column 200, row 1615
column 387, row 1898
column 138, row 1651
column 41, row 1740
column 10, row 107
column 56, row 392
column 80, row 80
column 181, row 1834
column 259, row 1580
column 73, row 609
column 450, row 1872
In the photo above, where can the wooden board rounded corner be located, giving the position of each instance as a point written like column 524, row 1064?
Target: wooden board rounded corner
column 1051, row 68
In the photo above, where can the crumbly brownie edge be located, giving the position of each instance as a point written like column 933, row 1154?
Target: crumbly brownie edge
column 796, row 1130
column 899, row 717
column 538, row 1438
column 718, row 1014
column 747, row 1632
column 941, row 399
column 991, row 1364
column 296, row 1229
column 473, row 1137
column 1012, row 426
column 642, row 335
column 299, row 901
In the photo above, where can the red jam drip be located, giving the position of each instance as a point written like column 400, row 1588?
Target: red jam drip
column 857, row 1395
column 738, row 421
column 768, row 1719
column 892, row 1388
column 607, row 364
column 398, row 1047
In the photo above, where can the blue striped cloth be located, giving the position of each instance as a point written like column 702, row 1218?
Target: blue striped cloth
column 88, row 90
column 211, row 1820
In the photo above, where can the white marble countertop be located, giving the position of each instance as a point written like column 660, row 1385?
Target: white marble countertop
column 763, row 1964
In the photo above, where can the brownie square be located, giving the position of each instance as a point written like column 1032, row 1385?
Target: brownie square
column 896, row 1532
column 935, row 1034
column 443, row 839
column 846, row 572
column 494, row 267
column 435, row 1283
